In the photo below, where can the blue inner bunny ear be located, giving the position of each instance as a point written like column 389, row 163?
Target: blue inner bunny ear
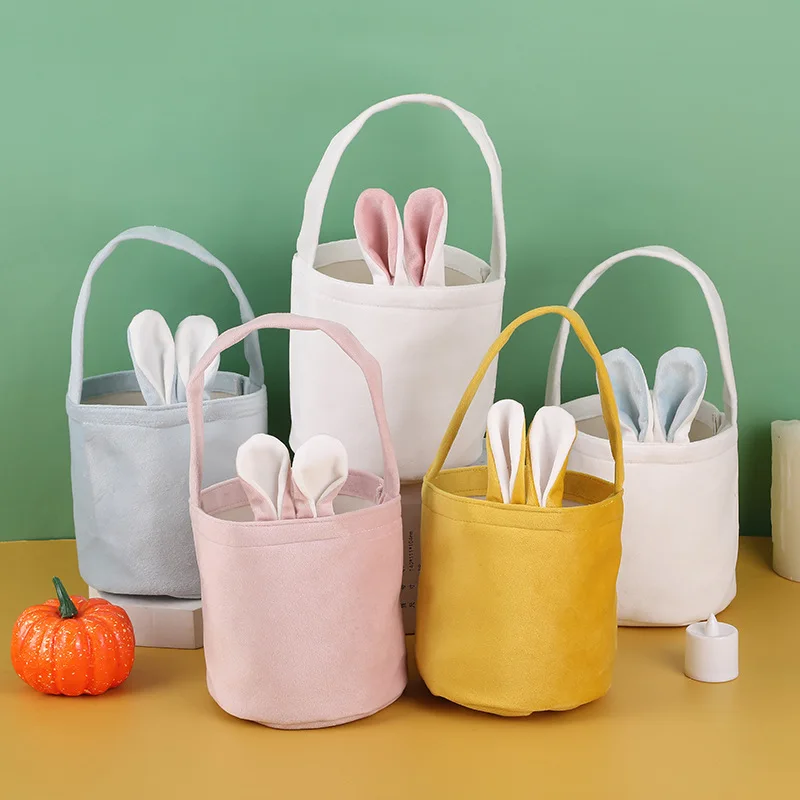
column 678, row 391
column 631, row 393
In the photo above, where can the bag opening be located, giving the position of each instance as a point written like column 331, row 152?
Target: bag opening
column 342, row 261
column 709, row 421
column 580, row 490
column 227, row 501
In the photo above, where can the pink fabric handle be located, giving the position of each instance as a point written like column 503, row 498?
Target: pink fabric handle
column 349, row 345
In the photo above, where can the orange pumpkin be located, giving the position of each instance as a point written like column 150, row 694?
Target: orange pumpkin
column 73, row 645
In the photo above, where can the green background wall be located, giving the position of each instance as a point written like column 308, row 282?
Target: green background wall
column 619, row 123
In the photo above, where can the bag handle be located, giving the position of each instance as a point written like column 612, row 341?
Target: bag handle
column 178, row 241
column 607, row 401
column 715, row 307
column 342, row 336
column 317, row 194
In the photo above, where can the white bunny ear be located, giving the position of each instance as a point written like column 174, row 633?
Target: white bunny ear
column 379, row 232
column 678, row 391
column 425, row 223
column 152, row 351
column 262, row 464
column 505, row 448
column 192, row 338
column 318, row 473
column 550, row 439
column 634, row 402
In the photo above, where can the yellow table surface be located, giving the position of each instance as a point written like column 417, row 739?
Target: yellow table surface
column 656, row 734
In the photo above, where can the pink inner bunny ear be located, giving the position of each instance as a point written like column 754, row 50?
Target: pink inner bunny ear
column 425, row 224
column 378, row 232
column 263, row 510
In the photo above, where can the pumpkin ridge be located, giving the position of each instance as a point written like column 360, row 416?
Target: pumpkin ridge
column 31, row 616
column 22, row 630
column 90, row 653
column 67, row 629
column 82, row 604
column 110, row 631
column 120, row 636
column 57, row 663
column 52, row 686
column 33, row 643
column 18, row 640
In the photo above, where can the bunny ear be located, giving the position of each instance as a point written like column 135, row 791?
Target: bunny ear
column 678, row 391
column 425, row 221
column 262, row 464
column 152, row 351
column 319, row 472
column 505, row 452
column 550, row 439
column 634, row 402
column 192, row 338
column 379, row 233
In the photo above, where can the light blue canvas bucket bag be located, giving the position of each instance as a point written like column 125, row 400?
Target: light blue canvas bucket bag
column 130, row 461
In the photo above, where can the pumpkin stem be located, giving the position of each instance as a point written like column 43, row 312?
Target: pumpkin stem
column 66, row 607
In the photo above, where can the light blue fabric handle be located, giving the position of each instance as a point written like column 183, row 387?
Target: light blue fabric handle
column 177, row 241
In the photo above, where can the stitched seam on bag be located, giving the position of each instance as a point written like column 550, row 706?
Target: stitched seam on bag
column 684, row 448
column 234, row 407
column 351, row 535
column 501, row 507
column 493, row 302
column 286, row 523
column 560, row 528
column 585, row 500
column 235, row 503
column 153, row 424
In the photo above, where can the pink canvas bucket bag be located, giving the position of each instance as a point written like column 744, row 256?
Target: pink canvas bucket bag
column 302, row 621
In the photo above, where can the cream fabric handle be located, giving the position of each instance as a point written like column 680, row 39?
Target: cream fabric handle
column 607, row 400
column 320, row 185
column 715, row 307
column 349, row 345
column 177, row 241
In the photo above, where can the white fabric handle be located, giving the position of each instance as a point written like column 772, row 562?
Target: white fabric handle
column 177, row 241
column 320, row 185
column 715, row 307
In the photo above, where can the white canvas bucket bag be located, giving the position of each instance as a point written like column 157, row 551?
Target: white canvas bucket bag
column 680, row 531
column 428, row 340
column 130, row 461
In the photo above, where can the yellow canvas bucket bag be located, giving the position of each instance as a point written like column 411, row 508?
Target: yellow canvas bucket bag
column 517, row 603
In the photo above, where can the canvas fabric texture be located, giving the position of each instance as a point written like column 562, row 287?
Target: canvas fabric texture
column 129, row 463
column 517, row 606
column 302, row 619
column 428, row 339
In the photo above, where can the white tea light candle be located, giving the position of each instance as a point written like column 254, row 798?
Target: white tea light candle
column 712, row 651
column 786, row 498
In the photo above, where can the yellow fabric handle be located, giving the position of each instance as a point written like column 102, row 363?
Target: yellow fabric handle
column 607, row 401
